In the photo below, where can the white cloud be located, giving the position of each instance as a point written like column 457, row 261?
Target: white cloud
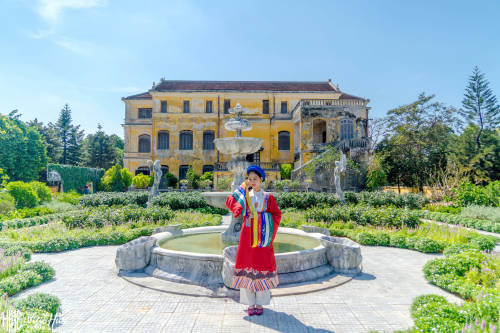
column 50, row 10
column 75, row 46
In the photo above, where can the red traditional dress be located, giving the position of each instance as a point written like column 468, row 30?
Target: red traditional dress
column 255, row 267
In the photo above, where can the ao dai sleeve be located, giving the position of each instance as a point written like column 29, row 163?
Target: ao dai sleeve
column 272, row 207
column 233, row 206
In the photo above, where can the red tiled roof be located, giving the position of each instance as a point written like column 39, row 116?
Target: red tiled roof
column 243, row 86
column 144, row 95
column 347, row 96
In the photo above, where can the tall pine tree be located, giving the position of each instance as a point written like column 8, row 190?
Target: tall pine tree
column 480, row 104
column 70, row 136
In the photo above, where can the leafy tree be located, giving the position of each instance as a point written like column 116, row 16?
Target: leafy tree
column 376, row 176
column 50, row 139
column 286, row 171
column 482, row 164
column 420, row 134
column 22, row 153
column 99, row 150
column 116, row 179
column 480, row 104
column 192, row 177
column 71, row 138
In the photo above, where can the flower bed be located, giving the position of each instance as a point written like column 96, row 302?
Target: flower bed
column 473, row 275
column 458, row 219
column 364, row 215
column 58, row 236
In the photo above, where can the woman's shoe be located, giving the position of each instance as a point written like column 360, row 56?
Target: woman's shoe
column 259, row 311
column 251, row 311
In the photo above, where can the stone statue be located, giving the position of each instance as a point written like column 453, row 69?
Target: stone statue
column 340, row 167
column 154, row 168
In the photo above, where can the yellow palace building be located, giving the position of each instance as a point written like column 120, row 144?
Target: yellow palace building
column 176, row 122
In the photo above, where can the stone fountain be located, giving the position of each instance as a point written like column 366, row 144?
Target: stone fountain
column 238, row 147
column 204, row 256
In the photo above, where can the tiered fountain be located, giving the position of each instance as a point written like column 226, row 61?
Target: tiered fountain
column 238, row 147
column 205, row 256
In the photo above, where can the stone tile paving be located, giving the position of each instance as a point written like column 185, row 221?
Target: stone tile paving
column 95, row 299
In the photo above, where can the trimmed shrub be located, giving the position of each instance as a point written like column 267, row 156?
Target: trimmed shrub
column 111, row 198
column 23, row 193
column 42, row 191
column 116, row 179
column 41, row 268
column 141, row 181
column 428, row 245
column 170, row 180
column 398, row 240
column 40, row 301
column 7, row 203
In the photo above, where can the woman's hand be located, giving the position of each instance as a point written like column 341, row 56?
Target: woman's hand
column 247, row 183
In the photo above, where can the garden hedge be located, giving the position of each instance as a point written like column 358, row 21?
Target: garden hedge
column 75, row 177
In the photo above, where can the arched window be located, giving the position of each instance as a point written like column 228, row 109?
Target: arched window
column 284, row 140
column 346, row 129
column 319, row 131
column 208, row 140
column 163, row 140
column 144, row 143
column 186, row 140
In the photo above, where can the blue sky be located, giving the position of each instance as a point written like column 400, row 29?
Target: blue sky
column 90, row 53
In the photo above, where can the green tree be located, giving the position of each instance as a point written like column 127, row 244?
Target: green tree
column 70, row 136
column 480, row 104
column 192, row 177
column 50, row 139
column 482, row 163
column 376, row 175
column 116, row 179
column 22, row 153
column 99, row 150
column 420, row 132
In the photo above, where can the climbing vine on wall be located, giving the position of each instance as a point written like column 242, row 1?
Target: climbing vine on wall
column 75, row 178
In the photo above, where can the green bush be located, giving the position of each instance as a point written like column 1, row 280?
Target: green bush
column 376, row 176
column 180, row 200
column 17, row 250
column 458, row 219
column 443, row 209
column 111, row 198
column 41, row 268
column 116, row 179
column 469, row 194
column 305, row 200
column 364, row 215
column 22, row 213
column 7, row 203
column 428, row 245
column 482, row 213
column 70, row 197
column 141, row 181
column 41, row 190
column 40, row 301
column 366, row 238
column 398, row 240
column 23, row 193
column 193, row 178
column 170, row 180
column 286, row 171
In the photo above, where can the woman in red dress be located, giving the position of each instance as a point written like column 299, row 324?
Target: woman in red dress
column 255, row 268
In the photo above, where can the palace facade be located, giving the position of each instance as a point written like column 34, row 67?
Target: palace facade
column 177, row 122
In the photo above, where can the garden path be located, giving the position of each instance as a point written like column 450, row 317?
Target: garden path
column 95, row 299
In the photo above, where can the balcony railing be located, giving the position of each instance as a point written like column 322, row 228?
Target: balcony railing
column 342, row 145
column 267, row 166
column 319, row 103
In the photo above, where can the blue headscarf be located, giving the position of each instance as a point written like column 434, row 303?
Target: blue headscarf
column 257, row 169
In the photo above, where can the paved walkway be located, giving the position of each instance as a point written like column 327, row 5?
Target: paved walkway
column 94, row 299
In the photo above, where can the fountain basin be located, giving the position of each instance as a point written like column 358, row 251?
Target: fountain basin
column 312, row 260
column 238, row 145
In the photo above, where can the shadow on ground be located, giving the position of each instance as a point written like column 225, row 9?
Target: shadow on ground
column 282, row 322
column 364, row 276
